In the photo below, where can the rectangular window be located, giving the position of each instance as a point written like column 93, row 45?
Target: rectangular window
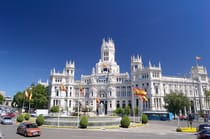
column 156, row 90
column 110, row 105
column 70, row 103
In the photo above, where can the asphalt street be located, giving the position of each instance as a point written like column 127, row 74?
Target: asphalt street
column 154, row 129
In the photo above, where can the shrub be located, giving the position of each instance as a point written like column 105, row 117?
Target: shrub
column 27, row 116
column 144, row 119
column 54, row 109
column 40, row 120
column 178, row 129
column 83, row 122
column 20, row 118
column 127, row 110
column 125, row 122
column 119, row 111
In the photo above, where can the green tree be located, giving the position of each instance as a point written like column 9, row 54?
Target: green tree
column 18, row 100
column 175, row 102
column 1, row 99
column 40, row 97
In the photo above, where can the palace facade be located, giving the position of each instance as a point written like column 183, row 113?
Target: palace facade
column 106, row 85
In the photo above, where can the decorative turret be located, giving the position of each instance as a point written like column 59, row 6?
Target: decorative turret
column 136, row 63
column 107, row 63
column 199, row 73
column 108, row 51
column 70, row 68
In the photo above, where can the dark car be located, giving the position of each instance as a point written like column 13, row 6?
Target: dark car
column 28, row 129
column 203, row 126
column 203, row 134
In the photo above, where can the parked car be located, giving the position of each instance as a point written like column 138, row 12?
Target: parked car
column 28, row 129
column 11, row 114
column 203, row 134
column 203, row 126
column 6, row 121
column 182, row 117
column 33, row 114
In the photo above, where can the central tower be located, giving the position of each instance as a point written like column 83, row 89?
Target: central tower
column 107, row 51
column 107, row 63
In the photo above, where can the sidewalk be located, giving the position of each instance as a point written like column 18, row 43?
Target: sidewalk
column 150, row 128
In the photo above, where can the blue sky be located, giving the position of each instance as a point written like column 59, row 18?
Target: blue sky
column 39, row 35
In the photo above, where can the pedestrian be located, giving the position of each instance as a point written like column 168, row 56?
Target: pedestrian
column 190, row 119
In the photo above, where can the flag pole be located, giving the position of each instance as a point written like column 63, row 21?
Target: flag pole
column 133, row 109
column 197, row 58
column 78, row 108
column 23, row 103
column 141, row 109
column 133, row 102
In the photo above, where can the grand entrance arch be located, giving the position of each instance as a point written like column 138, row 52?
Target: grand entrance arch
column 103, row 103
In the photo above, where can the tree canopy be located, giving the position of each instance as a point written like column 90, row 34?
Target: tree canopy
column 38, row 99
column 176, row 102
column 18, row 100
column 1, row 99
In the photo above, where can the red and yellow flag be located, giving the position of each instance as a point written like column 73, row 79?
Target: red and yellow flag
column 97, row 100
column 143, row 98
column 138, row 91
column 63, row 88
column 26, row 94
column 197, row 58
column 81, row 89
column 30, row 96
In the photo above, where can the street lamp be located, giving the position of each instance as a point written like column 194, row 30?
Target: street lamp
column 30, row 97
column 78, row 104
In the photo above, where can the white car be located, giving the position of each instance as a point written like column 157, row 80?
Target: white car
column 6, row 121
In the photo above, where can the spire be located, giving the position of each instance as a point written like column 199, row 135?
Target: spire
column 150, row 65
column 159, row 65
column 93, row 70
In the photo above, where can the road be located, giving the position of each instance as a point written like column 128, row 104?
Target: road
column 155, row 129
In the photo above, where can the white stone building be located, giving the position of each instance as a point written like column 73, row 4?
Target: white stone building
column 114, row 89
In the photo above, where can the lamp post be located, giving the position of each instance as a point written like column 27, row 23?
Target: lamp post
column 23, row 103
column 78, row 105
column 29, row 99
column 194, row 101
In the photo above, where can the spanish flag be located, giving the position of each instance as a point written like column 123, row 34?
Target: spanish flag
column 62, row 88
column 30, row 96
column 197, row 58
column 26, row 94
column 81, row 89
column 97, row 100
column 104, row 65
column 143, row 98
column 138, row 91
